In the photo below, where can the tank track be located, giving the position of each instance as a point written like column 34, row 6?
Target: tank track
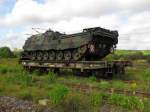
column 58, row 55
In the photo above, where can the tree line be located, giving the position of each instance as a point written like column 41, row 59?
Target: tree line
column 6, row 52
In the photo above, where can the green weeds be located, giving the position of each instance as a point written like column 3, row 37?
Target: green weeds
column 20, row 78
column 92, row 78
column 57, row 94
column 3, row 70
column 146, row 105
column 25, row 95
column 32, row 86
column 75, row 102
column 51, row 77
column 146, row 77
column 7, row 69
column 96, row 99
column 104, row 85
column 119, row 85
column 127, row 102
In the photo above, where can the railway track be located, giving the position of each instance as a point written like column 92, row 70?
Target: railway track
column 87, row 89
column 110, row 81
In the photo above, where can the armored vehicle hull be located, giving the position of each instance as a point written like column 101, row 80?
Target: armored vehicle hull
column 91, row 44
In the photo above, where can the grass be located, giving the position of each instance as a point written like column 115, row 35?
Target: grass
column 75, row 102
column 25, row 95
column 127, row 102
column 146, row 77
column 92, row 78
column 104, row 85
column 57, row 93
column 129, row 55
column 127, row 52
column 95, row 99
column 14, row 81
column 117, row 84
column 50, row 78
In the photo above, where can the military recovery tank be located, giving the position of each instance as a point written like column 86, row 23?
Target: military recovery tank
column 90, row 45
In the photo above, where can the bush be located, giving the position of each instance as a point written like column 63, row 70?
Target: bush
column 57, row 93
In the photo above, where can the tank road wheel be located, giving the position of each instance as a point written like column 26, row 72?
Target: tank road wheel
column 39, row 56
column 76, row 55
column 45, row 56
column 82, row 49
column 51, row 55
column 33, row 56
column 59, row 55
column 67, row 55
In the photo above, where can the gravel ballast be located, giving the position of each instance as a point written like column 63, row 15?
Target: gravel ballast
column 11, row 104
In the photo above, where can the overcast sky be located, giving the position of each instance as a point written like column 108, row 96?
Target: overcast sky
column 130, row 17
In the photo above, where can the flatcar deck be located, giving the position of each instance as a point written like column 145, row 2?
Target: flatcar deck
column 75, row 65
column 108, row 67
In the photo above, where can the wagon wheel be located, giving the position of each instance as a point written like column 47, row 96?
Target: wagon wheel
column 67, row 55
column 39, row 56
column 51, row 55
column 45, row 56
column 59, row 55
column 33, row 56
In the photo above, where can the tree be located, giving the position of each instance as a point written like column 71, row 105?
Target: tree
column 5, row 52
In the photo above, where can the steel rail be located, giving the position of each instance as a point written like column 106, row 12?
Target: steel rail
column 88, row 89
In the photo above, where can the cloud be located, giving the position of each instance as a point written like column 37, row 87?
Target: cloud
column 135, row 33
column 130, row 17
column 74, row 25
column 1, row 2
column 29, row 11
column 12, row 40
